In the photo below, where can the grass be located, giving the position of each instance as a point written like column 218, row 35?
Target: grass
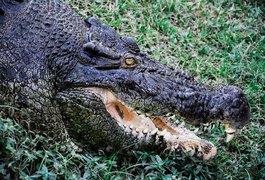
column 219, row 42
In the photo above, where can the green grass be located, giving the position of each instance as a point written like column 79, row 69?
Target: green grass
column 219, row 42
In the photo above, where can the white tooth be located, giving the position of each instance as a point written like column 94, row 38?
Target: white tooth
column 199, row 154
column 147, row 115
column 145, row 131
column 172, row 148
column 162, row 133
column 167, row 136
column 196, row 130
column 134, row 133
column 140, row 135
column 147, row 137
column 206, row 124
column 229, row 136
column 192, row 152
column 176, row 146
column 131, row 126
column 157, row 140
column 141, row 116
column 137, row 130
column 230, row 130
column 199, row 149
column 123, row 103
column 127, row 129
column 138, row 112
column 154, row 131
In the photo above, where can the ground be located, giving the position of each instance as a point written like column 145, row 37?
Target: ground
column 219, row 42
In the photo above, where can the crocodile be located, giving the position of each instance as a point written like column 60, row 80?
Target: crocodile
column 68, row 77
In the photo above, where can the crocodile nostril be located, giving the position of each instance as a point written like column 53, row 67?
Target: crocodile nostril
column 92, row 21
column 88, row 24
column 240, row 126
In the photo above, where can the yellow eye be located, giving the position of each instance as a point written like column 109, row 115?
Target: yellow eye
column 130, row 61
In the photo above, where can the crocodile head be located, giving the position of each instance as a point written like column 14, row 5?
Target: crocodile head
column 109, row 92
column 138, row 92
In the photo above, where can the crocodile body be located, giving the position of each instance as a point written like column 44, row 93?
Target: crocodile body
column 69, row 77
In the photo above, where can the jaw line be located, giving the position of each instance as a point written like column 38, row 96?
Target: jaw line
column 124, row 114
column 150, row 129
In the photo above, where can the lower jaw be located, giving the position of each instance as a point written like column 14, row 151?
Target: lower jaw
column 156, row 129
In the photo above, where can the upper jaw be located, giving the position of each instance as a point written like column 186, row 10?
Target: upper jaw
column 156, row 92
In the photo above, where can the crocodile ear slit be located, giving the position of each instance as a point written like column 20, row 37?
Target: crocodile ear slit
column 101, row 50
column 2, row 12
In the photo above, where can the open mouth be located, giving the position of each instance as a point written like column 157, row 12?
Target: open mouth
column 145, row 127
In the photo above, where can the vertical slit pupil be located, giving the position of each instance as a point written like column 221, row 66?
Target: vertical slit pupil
column 2, row 12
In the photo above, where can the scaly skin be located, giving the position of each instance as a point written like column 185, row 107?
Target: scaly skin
column 81, row 79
